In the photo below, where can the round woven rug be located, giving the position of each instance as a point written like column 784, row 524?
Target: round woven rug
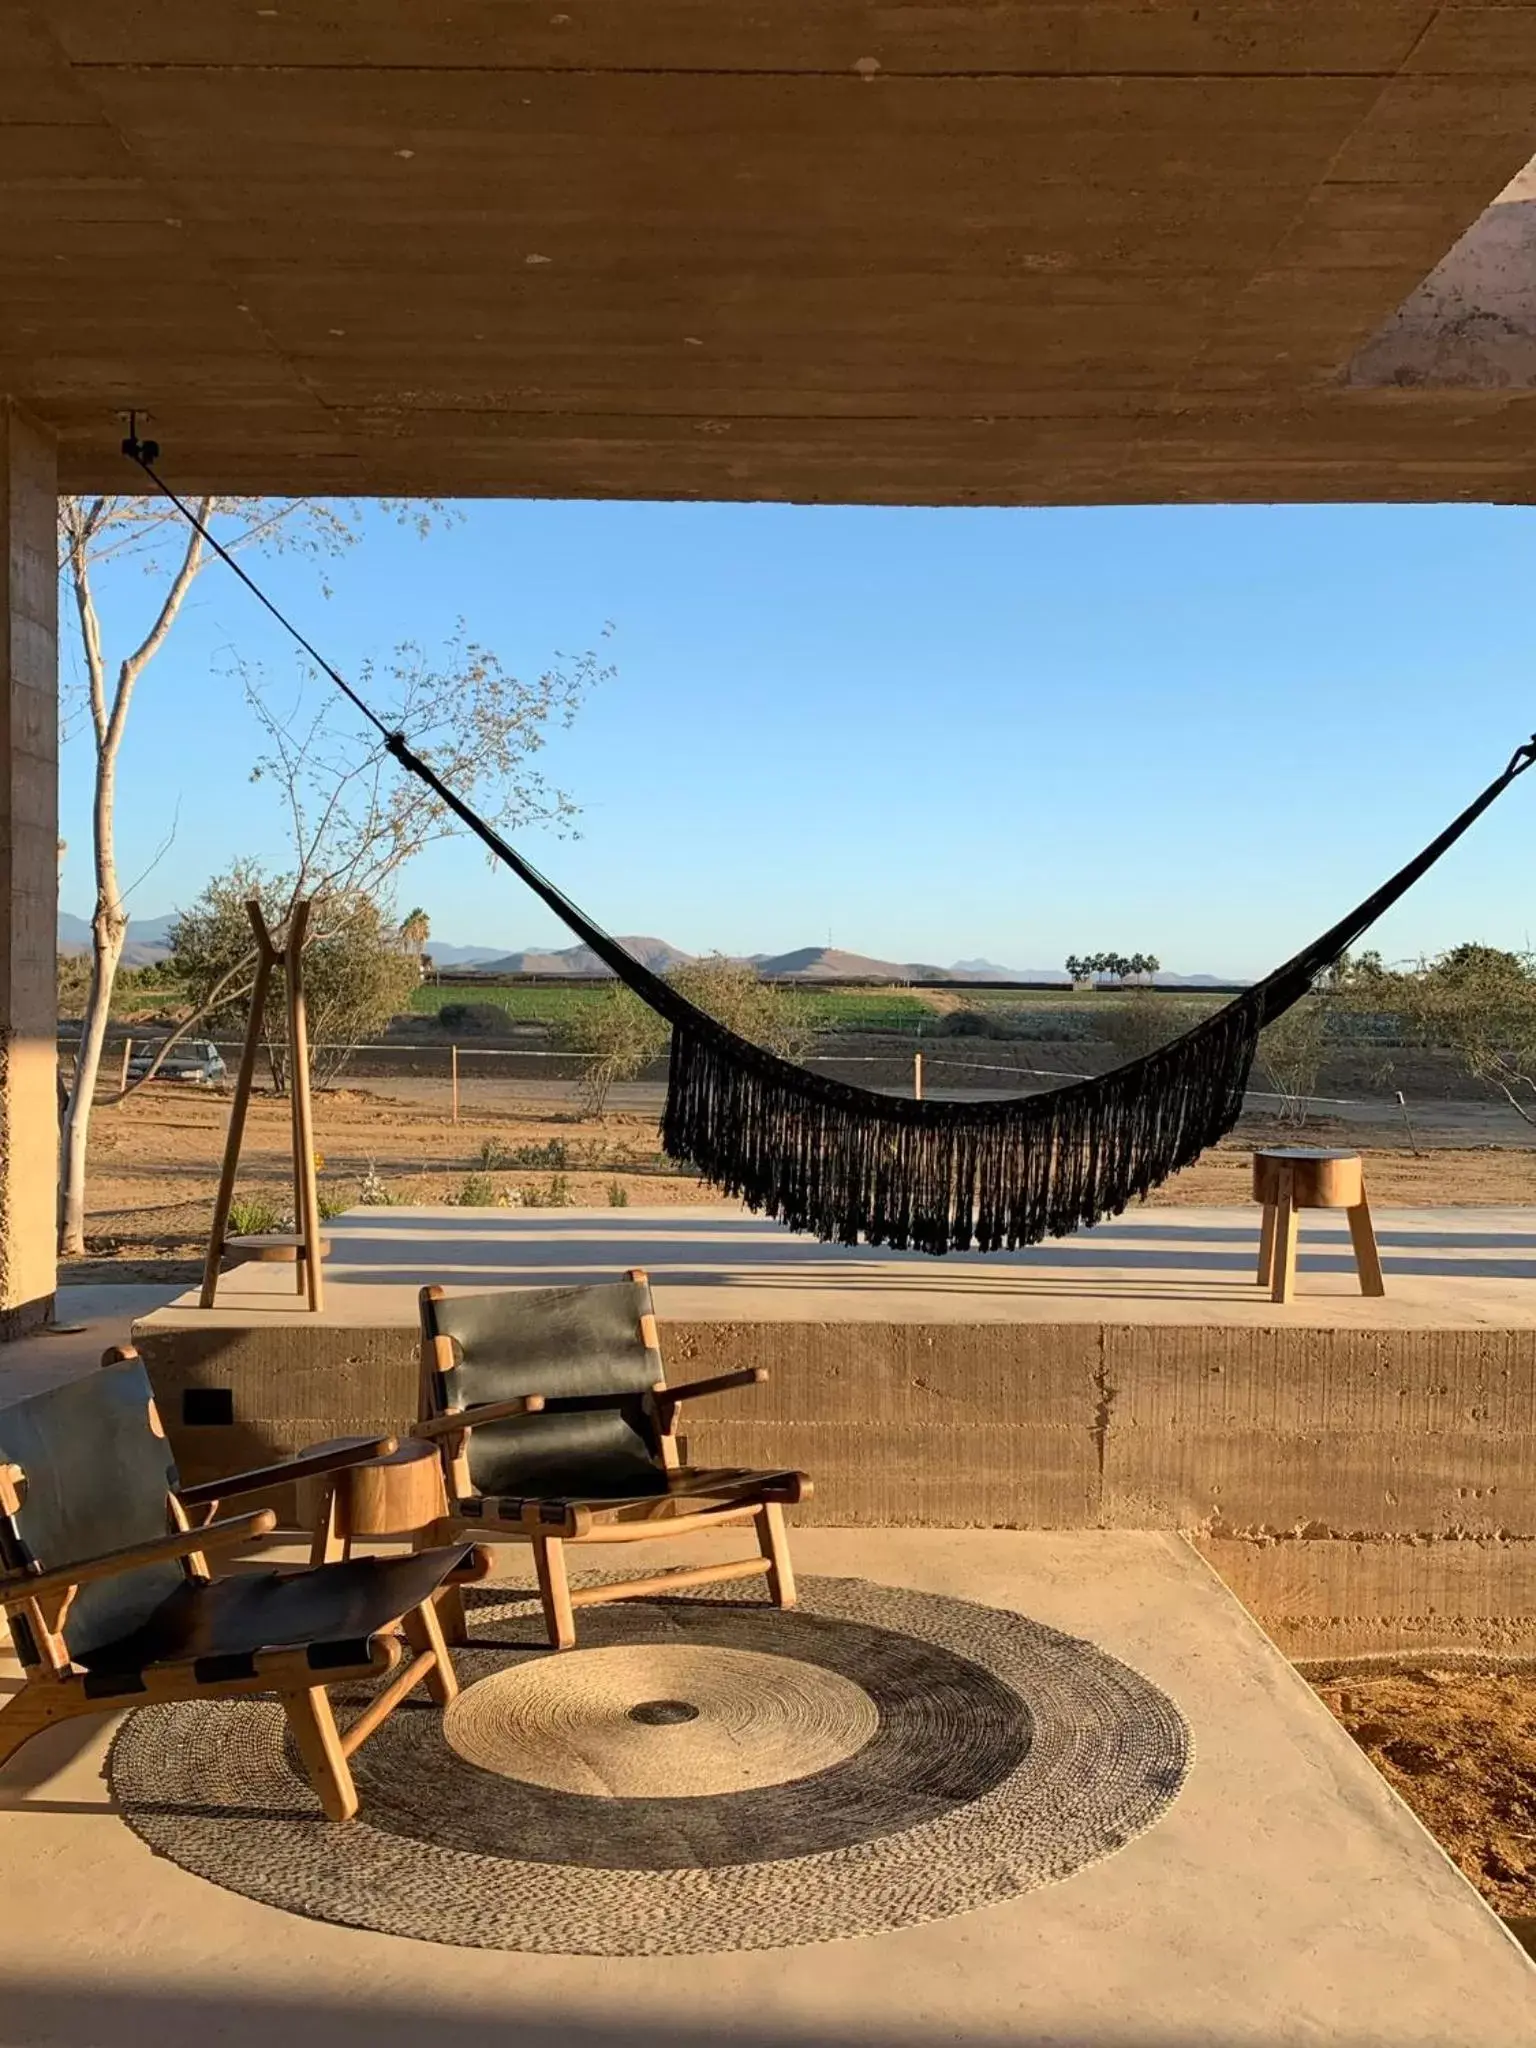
column 701, row 1773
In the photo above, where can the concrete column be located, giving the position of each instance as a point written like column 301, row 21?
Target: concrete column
column 29, row 870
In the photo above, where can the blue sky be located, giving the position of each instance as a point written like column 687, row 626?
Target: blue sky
column 1202, row 732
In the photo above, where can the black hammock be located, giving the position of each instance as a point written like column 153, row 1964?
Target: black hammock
column 850, row 1164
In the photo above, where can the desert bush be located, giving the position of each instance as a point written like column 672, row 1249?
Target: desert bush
column 1142, row 1021
column 552, row 1155
column 372, row 1193
column 554, row 1194
column 968, row 1024
column 735, row 994
column 618, row 1195
column 476, row 1191
column 618, row 1034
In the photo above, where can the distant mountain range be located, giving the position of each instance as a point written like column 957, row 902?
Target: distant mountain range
column 148, row 938
column 804, row 963
column 148, row 941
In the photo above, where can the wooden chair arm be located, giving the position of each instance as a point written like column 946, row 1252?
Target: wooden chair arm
column 457, row 1420
column 670, row 1399
column 355, row 1450
column 18, row 1587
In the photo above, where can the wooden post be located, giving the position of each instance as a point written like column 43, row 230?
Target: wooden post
column 454, row 1051
column 917, row 1077
column 122, row 1079
column 267, row 957
column 307, row 1203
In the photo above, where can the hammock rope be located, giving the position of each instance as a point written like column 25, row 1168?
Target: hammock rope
column 852, row 1165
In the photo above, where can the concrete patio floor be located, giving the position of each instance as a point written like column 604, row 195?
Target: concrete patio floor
column 1445, row 1268
column 1287, row 1897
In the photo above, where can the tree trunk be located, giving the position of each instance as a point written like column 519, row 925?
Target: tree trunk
column 110, row 928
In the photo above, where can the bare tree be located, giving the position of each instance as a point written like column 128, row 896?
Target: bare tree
column 353, row 820
column 92, row 533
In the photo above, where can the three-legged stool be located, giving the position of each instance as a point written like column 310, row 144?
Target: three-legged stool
column 1287, row 1180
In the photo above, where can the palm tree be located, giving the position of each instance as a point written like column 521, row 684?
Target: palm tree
column 415, row 930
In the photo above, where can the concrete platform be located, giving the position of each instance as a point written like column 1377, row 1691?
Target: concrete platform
column 1362, row 1472
column 1446, row 1269
column 1287, row 1896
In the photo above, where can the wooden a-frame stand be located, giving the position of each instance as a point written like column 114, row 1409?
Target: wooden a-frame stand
column 305, row 1242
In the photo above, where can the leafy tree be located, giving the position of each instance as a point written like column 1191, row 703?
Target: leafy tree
column 356, row 972
column 1479, row 1003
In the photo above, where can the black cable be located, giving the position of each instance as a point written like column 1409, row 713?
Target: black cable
column 144, row 453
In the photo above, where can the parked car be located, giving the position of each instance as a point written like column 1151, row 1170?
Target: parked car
column 195, row 1059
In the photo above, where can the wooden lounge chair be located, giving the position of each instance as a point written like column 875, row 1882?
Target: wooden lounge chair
column 557, row 1427
column 106, row 1585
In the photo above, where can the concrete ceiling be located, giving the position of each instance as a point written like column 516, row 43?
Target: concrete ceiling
column 928, row 251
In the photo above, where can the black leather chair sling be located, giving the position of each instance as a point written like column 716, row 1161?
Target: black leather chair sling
column 111, row 1604
column 557, row 1427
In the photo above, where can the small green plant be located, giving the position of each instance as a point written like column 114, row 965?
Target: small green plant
column 618, row 1195
column 555, row 1194
column 254, row 1216
column 492, row 1154
column 331, row 1204
column 476, row 1191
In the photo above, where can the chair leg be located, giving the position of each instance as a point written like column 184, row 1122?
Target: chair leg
column 773, row 1541
column 449, row 1603
column 1362, row 1235
column 424, row 1633
column 1266, row 1273
column 314, row 1731
column 555, row 1591
column 26, row 1714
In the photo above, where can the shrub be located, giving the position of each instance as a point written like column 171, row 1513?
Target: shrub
column 555, row 1194
column 331, row 1204
column 618, row 1195
column 969, row 1024
column 476, row 1191
column 473, row 1020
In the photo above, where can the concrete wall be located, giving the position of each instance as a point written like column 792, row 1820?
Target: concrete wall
column 29, row 867
column 1359, row 1490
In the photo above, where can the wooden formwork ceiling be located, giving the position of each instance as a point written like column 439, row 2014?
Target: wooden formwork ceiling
column 928, row 251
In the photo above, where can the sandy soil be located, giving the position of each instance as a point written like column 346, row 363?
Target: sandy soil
column 155, row 1158
column 1460, row 1747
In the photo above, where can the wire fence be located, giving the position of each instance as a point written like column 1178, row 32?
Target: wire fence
column 917, row 1073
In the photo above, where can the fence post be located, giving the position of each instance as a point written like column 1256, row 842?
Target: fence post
column 454, row 1051
column 122, row 1079
column 917, row 1077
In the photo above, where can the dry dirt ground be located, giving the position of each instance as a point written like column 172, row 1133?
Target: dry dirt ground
column 1460, row 1747
column 155, row 1158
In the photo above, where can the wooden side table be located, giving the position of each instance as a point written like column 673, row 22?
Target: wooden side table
column 398, row 1495
column 1287, row 1180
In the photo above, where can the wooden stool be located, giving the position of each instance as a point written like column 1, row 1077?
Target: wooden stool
column 1292, row 1178
column 399, row 1495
